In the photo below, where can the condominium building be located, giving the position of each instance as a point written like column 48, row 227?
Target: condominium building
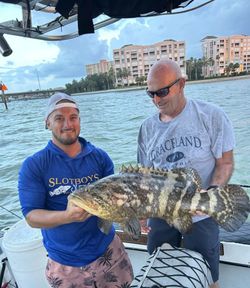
column 101, row 67
column 137, row 59
column 225, row 50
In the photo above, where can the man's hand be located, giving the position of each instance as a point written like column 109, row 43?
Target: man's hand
column 76, row 214
column 144, row 227
column 197, row 213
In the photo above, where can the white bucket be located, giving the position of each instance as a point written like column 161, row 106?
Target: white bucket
column 26, row 255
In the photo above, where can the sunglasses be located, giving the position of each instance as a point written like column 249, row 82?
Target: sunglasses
column 161, row 92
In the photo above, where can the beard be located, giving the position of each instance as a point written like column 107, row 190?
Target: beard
column 67, row 140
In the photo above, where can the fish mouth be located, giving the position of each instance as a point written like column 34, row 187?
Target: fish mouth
column 88, row 205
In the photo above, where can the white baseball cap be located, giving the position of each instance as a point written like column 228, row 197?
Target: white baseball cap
column 59, row 100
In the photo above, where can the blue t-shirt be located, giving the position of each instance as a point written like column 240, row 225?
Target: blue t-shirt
column 45, row 181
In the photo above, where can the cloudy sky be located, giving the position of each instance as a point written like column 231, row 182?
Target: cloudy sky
column 58, row 63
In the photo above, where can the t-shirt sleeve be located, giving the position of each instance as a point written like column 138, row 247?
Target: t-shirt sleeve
column 107, row 165
column 142, row 156
column 141, row 151
column 223, row 139
column 31, row 189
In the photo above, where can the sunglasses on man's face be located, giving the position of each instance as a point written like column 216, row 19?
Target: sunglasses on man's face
column 161, row 92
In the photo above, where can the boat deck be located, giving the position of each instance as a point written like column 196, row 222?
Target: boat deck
column 234, row 259
column 231, row 275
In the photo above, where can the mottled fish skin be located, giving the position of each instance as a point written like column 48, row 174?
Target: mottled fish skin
column 138, row 193
column 229, row 205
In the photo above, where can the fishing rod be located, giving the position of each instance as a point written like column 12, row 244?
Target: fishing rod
column 244, row 186
column 11, row 212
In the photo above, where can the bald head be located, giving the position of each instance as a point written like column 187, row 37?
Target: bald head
column 166, row 88
column 164, row 70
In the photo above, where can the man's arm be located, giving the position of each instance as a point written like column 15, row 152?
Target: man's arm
column 223, row 169
column 41, row 218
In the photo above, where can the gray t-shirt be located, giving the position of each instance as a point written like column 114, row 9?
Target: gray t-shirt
column 195, row 138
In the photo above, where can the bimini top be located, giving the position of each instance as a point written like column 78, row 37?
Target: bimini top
column 90, row 15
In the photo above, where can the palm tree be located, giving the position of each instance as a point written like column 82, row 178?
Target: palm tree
column 228, row 69
column 196, row 67
column 140, row 80
column 204, row 66
column 119, row 75
column 211, row 64
column 235, row 67
column 189, row 68
column 112, row 78
column 207, row 63
column 217, row 64
column 126, row 73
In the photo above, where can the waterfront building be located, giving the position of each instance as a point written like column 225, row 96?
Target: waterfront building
column 221, row 53
column 102, row 67
column 132, row 62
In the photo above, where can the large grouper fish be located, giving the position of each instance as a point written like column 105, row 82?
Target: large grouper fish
column 137, row 193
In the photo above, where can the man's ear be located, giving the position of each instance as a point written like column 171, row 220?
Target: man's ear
column 182, row 82
column 47, row 123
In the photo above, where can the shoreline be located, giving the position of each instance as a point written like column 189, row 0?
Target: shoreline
column 218, row 79
column 133, row 88
column 31, row 96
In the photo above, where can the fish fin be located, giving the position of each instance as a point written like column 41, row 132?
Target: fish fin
column 144, row 170
column 232, row 206
column 104, row 225
column 132, row 227
column 131, row 169
column 183, row 223
column 187, row 174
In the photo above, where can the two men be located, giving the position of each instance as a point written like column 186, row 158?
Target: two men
column 184, row 133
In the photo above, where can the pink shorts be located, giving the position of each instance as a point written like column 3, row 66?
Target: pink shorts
column 113, row 269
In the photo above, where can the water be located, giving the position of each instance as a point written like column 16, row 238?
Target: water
column 110, row 121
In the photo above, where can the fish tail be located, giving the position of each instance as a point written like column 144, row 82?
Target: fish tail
column 230, row 206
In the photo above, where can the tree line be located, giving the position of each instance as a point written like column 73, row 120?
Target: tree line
column 195, row 68
column 103, row 81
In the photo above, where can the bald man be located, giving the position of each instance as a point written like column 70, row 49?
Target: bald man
column 186, row 133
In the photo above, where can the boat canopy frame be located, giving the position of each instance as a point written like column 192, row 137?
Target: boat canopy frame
column 24, row 27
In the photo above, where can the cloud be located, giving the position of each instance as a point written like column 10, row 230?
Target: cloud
column 31, row 51
column 58, row 63
column 218, row 19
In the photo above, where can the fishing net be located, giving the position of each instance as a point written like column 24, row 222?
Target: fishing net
column 173, row 267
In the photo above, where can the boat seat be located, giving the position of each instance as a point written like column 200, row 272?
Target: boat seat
column 240, row 236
